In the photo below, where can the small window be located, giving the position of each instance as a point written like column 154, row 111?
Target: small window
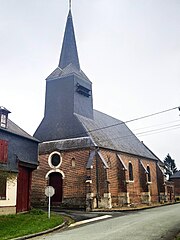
column 2, row 188
column 83, row 90
column 54, row 160
column 73, row 162
column 131, row 178
column 3, row 117
column 149, row 174
column 3, row 120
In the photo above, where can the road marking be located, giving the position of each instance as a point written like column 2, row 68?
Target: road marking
column 90, row 220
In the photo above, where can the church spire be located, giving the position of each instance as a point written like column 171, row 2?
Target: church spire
column 69, row 54
column 69, row 5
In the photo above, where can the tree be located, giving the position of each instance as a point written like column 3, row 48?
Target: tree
column 170, row 165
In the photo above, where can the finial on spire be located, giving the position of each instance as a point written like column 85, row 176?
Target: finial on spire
column 69, row 5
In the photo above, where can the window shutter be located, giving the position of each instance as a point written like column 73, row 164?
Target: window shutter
column 3, row 151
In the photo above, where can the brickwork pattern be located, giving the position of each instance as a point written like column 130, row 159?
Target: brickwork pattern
column 98, row 182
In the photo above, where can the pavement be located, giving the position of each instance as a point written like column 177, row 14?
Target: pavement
column 75, row 218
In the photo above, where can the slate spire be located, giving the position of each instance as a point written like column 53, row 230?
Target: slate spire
column 69, row 54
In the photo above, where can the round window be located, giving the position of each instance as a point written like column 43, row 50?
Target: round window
column 55, row 160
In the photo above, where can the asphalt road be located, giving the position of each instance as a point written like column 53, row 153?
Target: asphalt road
column 161, row 223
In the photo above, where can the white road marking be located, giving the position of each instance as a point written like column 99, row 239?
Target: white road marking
column 90, row 220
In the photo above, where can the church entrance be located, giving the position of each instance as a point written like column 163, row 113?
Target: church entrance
column 56, row 181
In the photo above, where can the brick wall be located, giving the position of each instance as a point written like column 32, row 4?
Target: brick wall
column 74, row 186
column 117, row 177
column 176, row 186
column 98, row 182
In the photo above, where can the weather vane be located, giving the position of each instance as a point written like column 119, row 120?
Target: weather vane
column 69, row 5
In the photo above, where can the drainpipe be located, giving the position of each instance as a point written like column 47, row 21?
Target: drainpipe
column 97, row 181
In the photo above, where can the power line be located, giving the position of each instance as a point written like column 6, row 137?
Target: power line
column 135, row 119
column 150, row 132
column 156, row 125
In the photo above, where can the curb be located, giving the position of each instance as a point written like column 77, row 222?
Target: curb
column 41, row 233
column 132, row 209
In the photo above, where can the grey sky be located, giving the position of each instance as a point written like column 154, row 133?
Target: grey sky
column 130, row 50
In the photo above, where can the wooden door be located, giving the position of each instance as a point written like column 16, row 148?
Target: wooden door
column 23, row 189
column 55, row 180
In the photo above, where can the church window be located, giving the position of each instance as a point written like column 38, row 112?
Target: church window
column 149, row 174
column 55, row 160
column 2, row 188
column 83, row 90
column 131, row 178
column 73, row 163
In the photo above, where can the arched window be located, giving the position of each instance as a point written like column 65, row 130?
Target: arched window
column 131, row 172
column 149, row 174
column 73, row 162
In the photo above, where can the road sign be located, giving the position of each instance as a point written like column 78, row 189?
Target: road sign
column 49, row 191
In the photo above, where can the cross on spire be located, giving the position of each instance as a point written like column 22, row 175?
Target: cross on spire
column 70, row 5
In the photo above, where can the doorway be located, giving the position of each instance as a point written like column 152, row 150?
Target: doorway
column 23, row 189
column 56, row 181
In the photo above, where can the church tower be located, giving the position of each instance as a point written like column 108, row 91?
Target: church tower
column 68, row 94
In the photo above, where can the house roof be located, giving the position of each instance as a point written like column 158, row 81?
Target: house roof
column 15, row 129
column 175, row 175
column 111, row 133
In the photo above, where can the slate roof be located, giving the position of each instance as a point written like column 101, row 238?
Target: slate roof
column 67, row 71
column 175, row 175
column 59, row 125
column 69, row 52
column 15, row 129
column 65, row 144
column 118, row 137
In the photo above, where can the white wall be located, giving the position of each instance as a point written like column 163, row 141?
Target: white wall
column 11, row 192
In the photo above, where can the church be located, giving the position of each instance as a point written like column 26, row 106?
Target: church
column 91, row 159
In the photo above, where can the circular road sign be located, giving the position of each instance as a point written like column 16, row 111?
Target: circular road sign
column 49, row 191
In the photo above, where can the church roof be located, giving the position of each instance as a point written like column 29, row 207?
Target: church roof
column 175, row 175
column 117, row 137
column 62, row 125
column 67, row 71
column 69, row 52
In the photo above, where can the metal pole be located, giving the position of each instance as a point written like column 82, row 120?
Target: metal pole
column 49, row 206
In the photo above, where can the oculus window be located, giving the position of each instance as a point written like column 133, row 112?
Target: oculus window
column 55, row 160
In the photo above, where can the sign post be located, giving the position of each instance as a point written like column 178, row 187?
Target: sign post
column 49, row 192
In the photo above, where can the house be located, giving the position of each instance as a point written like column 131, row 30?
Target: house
column 91, row 159
column 18, row 158
column 175, row 178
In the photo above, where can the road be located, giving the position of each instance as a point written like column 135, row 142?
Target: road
column 151, row 224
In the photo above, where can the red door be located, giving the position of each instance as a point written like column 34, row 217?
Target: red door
column 55, row 180
column 23, row 189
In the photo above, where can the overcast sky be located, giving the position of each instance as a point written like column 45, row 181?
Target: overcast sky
column 129, row 49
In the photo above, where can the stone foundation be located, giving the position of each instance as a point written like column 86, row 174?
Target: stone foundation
column 105, row 201
column 146, row 197
column 123, row 199
column 7, row 210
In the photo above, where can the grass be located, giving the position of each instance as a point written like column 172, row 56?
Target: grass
column 12, row 226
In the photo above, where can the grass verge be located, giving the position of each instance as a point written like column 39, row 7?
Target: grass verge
column 13, row 226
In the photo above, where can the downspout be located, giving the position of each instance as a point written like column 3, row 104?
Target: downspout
column 97, row 181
